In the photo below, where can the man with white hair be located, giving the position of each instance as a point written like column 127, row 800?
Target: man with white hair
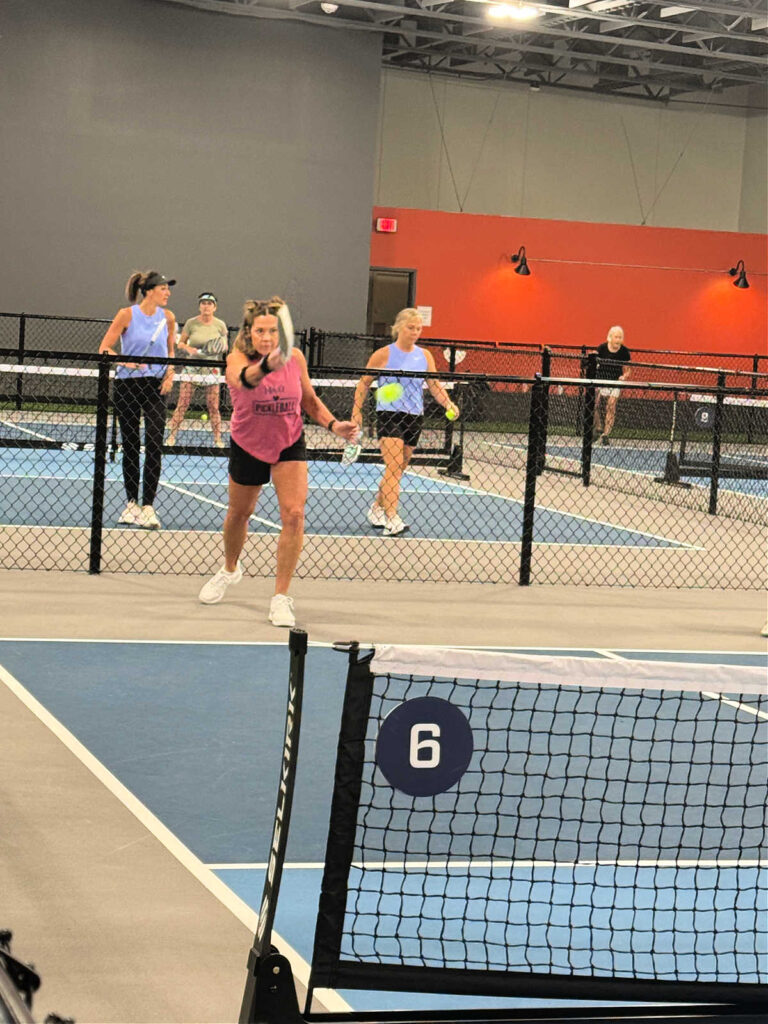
column 612, row 365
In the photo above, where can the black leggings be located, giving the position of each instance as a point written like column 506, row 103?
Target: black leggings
column 132, row 398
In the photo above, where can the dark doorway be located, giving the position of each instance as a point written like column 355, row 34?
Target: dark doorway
column 389, row 291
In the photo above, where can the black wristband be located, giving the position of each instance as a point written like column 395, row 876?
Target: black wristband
column 243, row 381
column 331, row 425
column 264, row 365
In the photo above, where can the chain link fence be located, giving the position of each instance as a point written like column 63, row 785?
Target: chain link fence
column 521, row 488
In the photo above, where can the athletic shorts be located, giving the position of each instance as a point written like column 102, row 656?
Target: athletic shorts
column 609, row 392
column 249, row 471
column 404, row 425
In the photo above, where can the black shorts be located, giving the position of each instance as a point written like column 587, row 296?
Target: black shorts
column 404, row 425
column 249, row 471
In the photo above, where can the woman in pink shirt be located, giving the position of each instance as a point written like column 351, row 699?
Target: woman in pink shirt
column 267, row 441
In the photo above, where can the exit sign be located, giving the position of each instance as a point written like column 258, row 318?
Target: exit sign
column 386, row 225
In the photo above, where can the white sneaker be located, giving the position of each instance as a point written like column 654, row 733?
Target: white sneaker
column 148, row 519
column 219, row 443
column 130, row 515
column 216, row 588
column 281, row 611
column 394, row 526
column 376, row 516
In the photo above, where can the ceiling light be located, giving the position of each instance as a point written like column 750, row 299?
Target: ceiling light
column 329, row 8
column 513, row 12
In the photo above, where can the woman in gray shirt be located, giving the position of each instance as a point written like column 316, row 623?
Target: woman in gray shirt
column 205, row 337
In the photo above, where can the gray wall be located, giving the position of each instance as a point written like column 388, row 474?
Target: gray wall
column 231, row 153
column 754, row 181
column 506, row 150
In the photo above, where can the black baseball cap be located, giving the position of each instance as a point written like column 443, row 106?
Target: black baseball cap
column 154, row 280
column 207, row 297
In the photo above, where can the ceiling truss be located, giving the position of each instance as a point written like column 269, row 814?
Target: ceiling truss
column 648, row 49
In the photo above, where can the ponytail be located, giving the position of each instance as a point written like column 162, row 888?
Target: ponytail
column 137, row 282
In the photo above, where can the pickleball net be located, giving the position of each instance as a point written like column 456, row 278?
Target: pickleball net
column 606, row 840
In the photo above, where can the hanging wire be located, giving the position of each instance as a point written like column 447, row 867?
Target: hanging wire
column 445, row 145
column 634, row 170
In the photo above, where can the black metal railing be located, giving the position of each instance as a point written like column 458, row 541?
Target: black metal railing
column 523, row 487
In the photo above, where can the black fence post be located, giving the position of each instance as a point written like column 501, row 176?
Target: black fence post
column 717, row 436
column 546, row 371
column 536, row 443
column 311, row 349
column 99, row 466
column 20, row 358
column 752, row 412
column 588, row 419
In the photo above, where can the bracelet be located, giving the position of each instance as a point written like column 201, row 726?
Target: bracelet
column 331, row 425
column 264, row 365
column 243, row 380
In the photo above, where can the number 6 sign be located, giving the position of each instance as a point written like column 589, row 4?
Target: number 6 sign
column 424, row 746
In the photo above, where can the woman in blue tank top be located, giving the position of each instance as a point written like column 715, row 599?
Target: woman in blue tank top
column 399, row 421
column 144, row 330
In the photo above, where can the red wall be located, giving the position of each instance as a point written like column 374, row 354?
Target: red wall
column 464, row 273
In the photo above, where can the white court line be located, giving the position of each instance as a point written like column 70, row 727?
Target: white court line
column 710, row 696
column 737, row 705
column 366, row 646
column 218, row 504
column 25, row 430
column 452, row 489
column 156, row 828
column 585, row 519
column 442, row 864
column 611, row 655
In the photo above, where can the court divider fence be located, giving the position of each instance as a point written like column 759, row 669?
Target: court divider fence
column 522, row 488
column 333, row 348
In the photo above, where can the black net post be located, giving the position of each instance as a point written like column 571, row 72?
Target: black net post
column 537, row 441
column 339, row 851
column 99, row 465
column 588, row 419
column 717, row 436
column 265, row 965
column 20, row 357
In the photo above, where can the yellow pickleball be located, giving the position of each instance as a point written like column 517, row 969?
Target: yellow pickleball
column 389, row 393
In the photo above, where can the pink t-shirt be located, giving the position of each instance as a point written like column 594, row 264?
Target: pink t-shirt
column 267, row 419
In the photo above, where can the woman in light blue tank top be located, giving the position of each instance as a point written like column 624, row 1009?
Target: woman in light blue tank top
column 144, row 330
column 399, row 418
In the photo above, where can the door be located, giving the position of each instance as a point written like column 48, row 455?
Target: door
column 389, row 291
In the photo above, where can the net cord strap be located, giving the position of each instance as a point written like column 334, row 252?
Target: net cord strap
column 567, row 671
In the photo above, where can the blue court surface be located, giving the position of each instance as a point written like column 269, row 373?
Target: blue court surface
column 195, row 732
column 650, row 461
column 54, row 488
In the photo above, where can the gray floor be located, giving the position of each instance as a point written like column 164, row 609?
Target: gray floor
column 119, row 929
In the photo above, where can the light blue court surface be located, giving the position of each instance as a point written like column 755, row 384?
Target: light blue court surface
column 195, row 732
column 54, row 488
column 651, row 461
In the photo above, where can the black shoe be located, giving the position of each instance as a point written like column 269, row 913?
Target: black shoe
column 604, row 441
